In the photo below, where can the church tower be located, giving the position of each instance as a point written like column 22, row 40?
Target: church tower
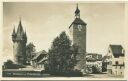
column 78, row 35
column 19, row 39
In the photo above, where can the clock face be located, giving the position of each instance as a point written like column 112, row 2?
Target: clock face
column 79, row 27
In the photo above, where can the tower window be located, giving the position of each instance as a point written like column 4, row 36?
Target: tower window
column 79, row 27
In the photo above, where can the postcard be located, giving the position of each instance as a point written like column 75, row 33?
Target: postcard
column 65, row 40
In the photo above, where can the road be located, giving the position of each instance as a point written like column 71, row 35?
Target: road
column 101, row 75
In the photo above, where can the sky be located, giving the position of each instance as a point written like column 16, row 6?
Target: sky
column 44, row 21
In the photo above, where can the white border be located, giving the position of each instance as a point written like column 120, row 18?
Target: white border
column 60, row 1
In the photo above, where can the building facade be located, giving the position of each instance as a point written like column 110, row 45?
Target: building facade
column 39, row 60
column 78, row 36
column 115, row 60
column 93, row 63
column 30, row 52
column 19, row 39
column 104, row 63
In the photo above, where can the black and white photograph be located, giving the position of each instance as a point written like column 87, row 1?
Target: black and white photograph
column 63, row 39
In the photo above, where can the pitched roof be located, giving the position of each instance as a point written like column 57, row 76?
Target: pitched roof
column 104, row 58
column 78, row 21
column 117, row 50
column 95, row 57
column 43, row 60
column 43, row 53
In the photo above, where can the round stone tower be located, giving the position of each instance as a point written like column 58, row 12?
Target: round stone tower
column 19, row 39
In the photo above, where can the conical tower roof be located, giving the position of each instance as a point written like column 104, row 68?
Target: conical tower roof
column 77, row 19
column 14, row 32
column 20, row 30
column 25, row 35
column 77, row 10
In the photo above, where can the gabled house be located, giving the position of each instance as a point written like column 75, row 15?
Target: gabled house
column 39, row 60
column 115, row 60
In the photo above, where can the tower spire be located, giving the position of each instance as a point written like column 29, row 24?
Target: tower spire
column 19, row 39
column 77, row 12
column 25, row 36
column 14, row 32
column 20, row 28
column 77, row 5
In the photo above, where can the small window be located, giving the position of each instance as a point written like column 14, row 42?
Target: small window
column 111, row 71
column 120, row 67
column 121, row 73
column 123, row 51
column 116, row 63
column 109, row 51
column 116, row 67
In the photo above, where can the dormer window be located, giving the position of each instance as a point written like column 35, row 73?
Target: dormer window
column 109, row 51
column 123, row 52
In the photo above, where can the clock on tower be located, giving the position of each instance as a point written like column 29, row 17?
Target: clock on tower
column 79, row 27
column 78, row 32
column 78, row 35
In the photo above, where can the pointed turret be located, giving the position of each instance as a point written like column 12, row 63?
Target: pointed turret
column 77, row 20
column 25, row 36
column 14, row 35
column 14, row 32
column 19, row 34
column 20, row 30
column 77, row 12
column 19, row 39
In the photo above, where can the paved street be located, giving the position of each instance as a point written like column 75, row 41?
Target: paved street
column 102, row 75
column 26, row 73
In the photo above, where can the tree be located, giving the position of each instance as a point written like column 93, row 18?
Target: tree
column 9, row 62
column 73, row 60
column 62, row 55
column 10, row 65
column 30, row 51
